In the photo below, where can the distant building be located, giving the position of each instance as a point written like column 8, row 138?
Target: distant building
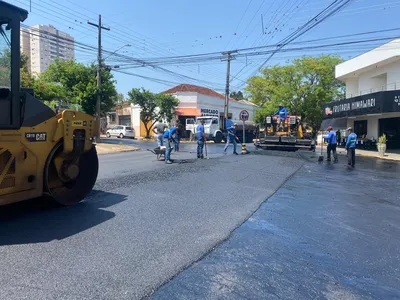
column 42, row 44
column 194, row 101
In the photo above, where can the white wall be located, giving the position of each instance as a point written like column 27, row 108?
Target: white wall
column 381, row 79
column 374, row 71
column 194, row 100
column 351, row 87
column 384, row 54
column 135, row 119
column 186, row 99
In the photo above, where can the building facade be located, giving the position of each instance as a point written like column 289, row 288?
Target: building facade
column 194, row 101
column 372, row 104
column 42, row 44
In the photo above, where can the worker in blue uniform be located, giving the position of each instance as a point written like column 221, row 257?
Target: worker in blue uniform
column 231, row 138
column 282, row 113
column 201, row 139
column 351, row 147
column 168, row 136
column 332, row 143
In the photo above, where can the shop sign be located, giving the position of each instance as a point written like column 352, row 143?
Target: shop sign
column 209, row 112
column 366, row 104
column 380, row 102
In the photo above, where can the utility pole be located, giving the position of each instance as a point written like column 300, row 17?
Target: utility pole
column 99, row 64
column 228, row 70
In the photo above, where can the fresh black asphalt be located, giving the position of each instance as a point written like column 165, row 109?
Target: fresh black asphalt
column 144, row 223
column 150, row 230
column 331, row 232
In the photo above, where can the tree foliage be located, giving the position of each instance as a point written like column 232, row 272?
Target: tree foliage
column 78, row 84
column 302, row 86
column 66, row 81
column 154, row 107
column 237, row 95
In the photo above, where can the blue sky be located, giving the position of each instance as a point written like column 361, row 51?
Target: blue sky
column 159, row 28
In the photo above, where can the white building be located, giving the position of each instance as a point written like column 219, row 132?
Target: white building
column 372, row 104
column 42, row 44
column 194, row 101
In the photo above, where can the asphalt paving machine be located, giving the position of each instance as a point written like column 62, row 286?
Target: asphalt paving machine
column 41, row 152
column 288, row 135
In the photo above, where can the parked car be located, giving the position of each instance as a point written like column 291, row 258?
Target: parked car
column 121, row 131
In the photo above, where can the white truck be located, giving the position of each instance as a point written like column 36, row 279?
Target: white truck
column 213, row 129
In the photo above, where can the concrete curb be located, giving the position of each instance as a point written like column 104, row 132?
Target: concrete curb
column 115, row 152
column 111, row 151
column 379, row 157
column 343, row 153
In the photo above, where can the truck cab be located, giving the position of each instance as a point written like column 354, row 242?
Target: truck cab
column 212, row 128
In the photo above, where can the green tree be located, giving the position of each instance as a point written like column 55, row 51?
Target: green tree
column 120, row 98
column 78, row 84
column 237, row 95
column 154, row 107
column 302, row 86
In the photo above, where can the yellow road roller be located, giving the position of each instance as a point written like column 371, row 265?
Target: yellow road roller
column 41, row 152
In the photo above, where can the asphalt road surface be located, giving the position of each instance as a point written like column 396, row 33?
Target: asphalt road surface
column 177, row 232
column 331, row 232
column 144, row 223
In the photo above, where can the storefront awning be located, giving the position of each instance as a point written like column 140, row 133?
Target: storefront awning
column 192, row 112
column 375, row 103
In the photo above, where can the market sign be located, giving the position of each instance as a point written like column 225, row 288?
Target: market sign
column 209, row 112
column 375, row 103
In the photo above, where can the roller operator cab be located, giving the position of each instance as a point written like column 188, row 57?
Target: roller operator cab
column 41, row 152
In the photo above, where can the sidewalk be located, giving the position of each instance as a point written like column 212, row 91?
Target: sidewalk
column 359, row 152
column 104, row 148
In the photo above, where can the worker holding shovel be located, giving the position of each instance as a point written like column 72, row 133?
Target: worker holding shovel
column 231, row 138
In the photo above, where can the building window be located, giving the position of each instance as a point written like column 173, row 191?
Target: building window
column 360, row 128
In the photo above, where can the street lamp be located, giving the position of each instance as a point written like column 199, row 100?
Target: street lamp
column 127, row 45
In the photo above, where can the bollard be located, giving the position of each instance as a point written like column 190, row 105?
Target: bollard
column 244, row 150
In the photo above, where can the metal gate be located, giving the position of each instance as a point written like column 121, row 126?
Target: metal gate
column 125, row 120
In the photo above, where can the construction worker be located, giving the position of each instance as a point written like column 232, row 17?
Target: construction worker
column 179, row 133
column 351, row 147
column 168, row 136
column 282, row 113
column 159, row 130
column 231, row 138
column 331, row 139
column 201, row 139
